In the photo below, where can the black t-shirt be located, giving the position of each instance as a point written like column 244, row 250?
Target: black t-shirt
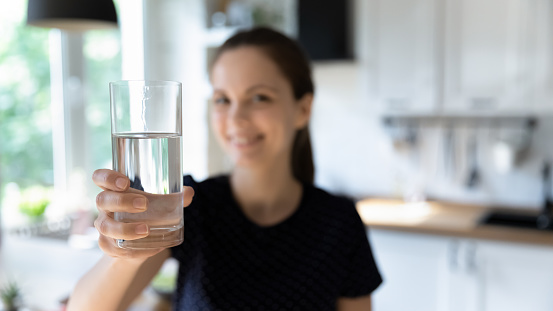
column 305, row 262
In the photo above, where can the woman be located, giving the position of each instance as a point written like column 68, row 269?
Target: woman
column 263, row 238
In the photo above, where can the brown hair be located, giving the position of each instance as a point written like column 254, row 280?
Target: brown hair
column 294, row 64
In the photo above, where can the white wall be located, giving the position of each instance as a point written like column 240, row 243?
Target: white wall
column 349, row 145
column 173, row 50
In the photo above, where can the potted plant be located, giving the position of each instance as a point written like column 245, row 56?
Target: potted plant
column 34, row 202
column 10, row 296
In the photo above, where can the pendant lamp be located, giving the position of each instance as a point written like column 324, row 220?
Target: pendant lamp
column 72, row 15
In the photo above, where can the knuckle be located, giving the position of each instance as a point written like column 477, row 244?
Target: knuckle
column 97, row 225
column 101, row 225
column 103, row 243
column 100, row 199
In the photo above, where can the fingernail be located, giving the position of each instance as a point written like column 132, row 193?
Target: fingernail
column 141, row 229
column 121, row 183
column 139, row 203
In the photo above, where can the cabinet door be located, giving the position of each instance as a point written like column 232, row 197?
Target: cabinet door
column 543, row 62
column 516, row 277
column 412, row 266
column 403, row 55
column 489, row 47
column 463, row 277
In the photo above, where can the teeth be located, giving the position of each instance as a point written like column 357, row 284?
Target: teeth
column 242, row 140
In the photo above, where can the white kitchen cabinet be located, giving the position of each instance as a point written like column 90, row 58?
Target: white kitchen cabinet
column 515, row 277
column 489, row 47
column 413, row 267
column 460, row 57
column 463, row 278
column 543, row 62
column 403, row 55
column 437, row 273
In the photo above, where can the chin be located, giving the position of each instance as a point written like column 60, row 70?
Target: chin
column 247, row 161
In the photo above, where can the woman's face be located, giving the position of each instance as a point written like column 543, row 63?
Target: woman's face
column 255, row 115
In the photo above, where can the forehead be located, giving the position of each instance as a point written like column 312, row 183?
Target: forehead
column 246, row 66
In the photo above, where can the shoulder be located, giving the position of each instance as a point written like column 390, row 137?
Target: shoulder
column 211, row 189
column 210, row 183
column 328, row 200
column 338, row 207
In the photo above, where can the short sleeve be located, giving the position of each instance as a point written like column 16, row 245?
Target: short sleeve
column 361, row 275
column 177, row 252
column 188, row 181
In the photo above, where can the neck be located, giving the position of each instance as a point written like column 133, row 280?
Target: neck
column 268, row 195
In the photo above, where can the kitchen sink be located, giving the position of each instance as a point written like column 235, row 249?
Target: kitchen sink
column 512, row 219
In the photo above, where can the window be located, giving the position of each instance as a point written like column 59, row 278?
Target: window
column 28, row 68
column 102, row 51
column 25, row 118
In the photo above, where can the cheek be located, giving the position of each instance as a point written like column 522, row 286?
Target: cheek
column 279, row 122
column 218, row 123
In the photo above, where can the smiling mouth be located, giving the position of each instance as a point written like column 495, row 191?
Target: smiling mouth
column 245, row 142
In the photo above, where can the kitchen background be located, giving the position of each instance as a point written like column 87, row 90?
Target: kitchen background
column 487, row 62
column 416, row 100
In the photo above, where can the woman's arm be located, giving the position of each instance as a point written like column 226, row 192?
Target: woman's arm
column 117, row 279
column 362, row 303
column 113, row 283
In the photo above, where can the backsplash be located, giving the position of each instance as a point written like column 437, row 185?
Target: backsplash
column 356, row 154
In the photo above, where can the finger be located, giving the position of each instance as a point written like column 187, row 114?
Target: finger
column 110, row 201
column 109, row 227
column 187, row 195
column 110, row 180
column 110, row 248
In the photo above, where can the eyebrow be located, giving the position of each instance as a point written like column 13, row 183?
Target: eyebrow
column 261, row 86
column 251, row 88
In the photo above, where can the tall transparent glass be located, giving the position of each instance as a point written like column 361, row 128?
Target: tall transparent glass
column 146, row 133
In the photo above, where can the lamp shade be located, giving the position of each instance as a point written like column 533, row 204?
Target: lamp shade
column 72, row 15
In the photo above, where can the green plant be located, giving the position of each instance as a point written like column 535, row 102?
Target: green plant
column 26, row 156
column 164, row 284
column 10, row 295
column 34, row 202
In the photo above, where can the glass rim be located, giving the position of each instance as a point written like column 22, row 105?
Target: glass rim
column 145, row 82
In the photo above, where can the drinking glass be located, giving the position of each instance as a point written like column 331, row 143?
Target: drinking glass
column 146, row 134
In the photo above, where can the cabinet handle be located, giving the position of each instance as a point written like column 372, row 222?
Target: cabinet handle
column 482, row 103
column 472, row 265
column 454, row 255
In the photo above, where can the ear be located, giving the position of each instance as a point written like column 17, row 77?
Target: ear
column 303, row 111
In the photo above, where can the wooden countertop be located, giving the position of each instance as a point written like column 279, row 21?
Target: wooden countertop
column 443, row 219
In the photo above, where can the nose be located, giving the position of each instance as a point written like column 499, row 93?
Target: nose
column 238, row 114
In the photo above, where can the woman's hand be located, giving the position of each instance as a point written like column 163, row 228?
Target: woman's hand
column 116, row 198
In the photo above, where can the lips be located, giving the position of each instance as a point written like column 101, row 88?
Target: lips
column 244, row 141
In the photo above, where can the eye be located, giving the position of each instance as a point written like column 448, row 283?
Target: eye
column 221, row 100
column 259, row 98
